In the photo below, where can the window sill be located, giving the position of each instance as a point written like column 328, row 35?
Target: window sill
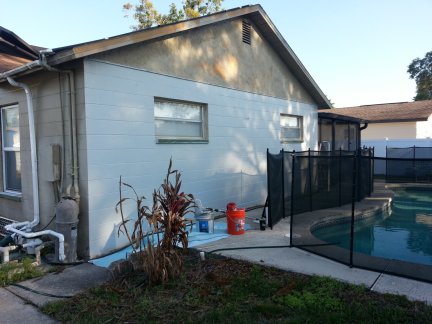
column 181, row 141
column 11, row 196
column 292, row 141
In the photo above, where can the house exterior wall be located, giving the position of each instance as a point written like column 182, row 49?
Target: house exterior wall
column 216, row 55
column 424, row 128
column 20, row 209
column 48, row 127
column 120, row 135
column 390, row 131
column 51, row 114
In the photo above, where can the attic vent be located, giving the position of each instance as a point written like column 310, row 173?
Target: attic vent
column 246, row 34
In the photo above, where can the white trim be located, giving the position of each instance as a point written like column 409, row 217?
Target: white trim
column 300, row 127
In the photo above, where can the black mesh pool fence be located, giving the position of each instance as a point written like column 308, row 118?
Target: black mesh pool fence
column 302, row 182
column 311, row 180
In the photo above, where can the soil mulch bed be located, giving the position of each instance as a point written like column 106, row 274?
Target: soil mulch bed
column 226, row 290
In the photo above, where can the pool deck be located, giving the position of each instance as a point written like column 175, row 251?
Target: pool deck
column 297, row 260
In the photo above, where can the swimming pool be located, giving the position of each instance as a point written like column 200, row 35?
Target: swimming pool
column 404, row 234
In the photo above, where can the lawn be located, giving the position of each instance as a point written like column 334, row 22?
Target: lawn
column 226, row 290
column 14, row 271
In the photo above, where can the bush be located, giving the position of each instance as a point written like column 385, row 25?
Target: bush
column 158, row 231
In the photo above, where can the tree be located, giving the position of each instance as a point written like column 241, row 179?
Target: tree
column 146, row 15
column 421, row 71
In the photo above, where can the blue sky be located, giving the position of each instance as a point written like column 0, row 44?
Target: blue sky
column 356, row 50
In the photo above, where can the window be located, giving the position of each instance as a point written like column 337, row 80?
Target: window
column 180, row 121
column 291, row 128
column 11, row 149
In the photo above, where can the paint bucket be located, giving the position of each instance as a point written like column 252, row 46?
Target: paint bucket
column 236, row 221
column 205, row 222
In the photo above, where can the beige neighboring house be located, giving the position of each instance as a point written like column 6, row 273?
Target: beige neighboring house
column 214, row 93
column 393, row 121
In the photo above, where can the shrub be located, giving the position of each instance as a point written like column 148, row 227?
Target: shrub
column 158, row 231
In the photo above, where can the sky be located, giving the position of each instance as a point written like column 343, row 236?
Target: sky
column 357, row 51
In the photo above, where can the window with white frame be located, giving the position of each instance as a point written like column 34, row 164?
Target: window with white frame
column 180, row 121
column 10, row 135
column 291, row 128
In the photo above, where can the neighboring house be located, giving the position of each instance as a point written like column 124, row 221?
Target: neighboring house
column 337, row 132
column 400, row 124
column 213, row 93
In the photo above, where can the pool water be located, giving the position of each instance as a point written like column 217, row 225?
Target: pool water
column 403, row 234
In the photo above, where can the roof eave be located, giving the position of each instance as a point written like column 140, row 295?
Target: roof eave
column 95, row 47
column 335, row 116
column 291, row 59
column 256, row 13
column 405, row 120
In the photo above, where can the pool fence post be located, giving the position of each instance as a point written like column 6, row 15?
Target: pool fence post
column 353, row 199
column 339, row 175
column 414, row 165
column 283, row 183
column 310, row 179
column 292, row 196
column 386, row 164
column 269, row 214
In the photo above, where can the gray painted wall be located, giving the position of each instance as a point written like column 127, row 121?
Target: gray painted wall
column 49, row 92
column 216, row 55
column 120, row 141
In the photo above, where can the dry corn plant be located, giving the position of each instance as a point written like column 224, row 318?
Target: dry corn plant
column 155, row 250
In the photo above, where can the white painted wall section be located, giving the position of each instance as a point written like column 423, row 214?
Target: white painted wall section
column 424, row 128
column 121, row 141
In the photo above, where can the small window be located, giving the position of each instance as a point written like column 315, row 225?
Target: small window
column 291, row 128
column 11, row 155
column 180, row 121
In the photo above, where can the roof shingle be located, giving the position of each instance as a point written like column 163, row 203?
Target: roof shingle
column 389, row 112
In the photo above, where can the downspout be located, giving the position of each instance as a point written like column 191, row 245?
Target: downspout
column 364, row 126
column 26, row 227
column 360, row 129
column 73, row 123
column 33, row 155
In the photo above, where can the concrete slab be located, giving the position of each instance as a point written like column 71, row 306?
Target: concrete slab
column 15, row 310
column 300, row 261
column 70, row 281
column 286, row 258
column 412, row 289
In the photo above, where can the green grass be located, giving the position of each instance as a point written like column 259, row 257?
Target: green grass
column 13, row 272
column 222, row 290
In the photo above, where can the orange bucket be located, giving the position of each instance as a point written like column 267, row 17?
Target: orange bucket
column 236, row 221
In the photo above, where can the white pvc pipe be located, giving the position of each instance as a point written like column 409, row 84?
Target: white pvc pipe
column 33, row 155
column 5, row 250
column 34, row 243
column 59, row 236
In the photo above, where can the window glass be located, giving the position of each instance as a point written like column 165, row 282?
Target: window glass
column 11, row 148
column 180, row 121
column 291, row 128
column 11, row 136
column 12, row 170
